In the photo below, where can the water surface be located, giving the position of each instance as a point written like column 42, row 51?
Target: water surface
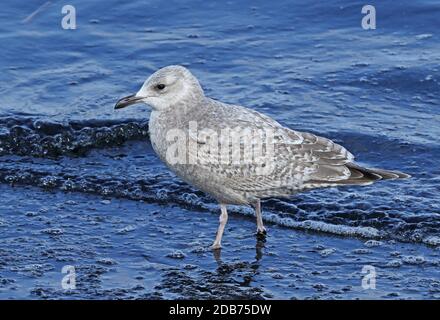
column 82, row 186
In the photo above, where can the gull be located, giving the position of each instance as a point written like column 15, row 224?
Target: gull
column 297, row 161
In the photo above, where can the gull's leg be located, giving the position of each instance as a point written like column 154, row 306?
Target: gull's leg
column 223, row 219
column 260, row 227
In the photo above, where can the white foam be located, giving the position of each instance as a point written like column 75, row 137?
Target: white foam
column 432, row 240
column 318, row 226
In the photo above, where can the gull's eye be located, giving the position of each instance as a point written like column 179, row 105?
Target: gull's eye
column 160, row 86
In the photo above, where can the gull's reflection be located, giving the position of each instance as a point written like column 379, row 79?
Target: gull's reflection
column 259, row 249
column 250, row 269
column 259, row 246
column 217, row 253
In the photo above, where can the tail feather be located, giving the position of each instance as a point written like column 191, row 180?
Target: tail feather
column 360, row 175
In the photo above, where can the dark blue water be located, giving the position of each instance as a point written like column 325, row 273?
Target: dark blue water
column 81, row 185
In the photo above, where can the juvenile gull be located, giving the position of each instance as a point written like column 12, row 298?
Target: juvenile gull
column 298, row 161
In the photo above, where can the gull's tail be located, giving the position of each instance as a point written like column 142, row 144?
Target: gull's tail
column 360, row 175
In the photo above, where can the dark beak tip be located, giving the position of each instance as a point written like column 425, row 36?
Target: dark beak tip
column 126, row 101
column 118, row 106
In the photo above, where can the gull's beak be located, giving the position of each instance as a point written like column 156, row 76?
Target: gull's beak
column 127, row 101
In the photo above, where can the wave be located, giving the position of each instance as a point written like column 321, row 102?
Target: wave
column 43, row 138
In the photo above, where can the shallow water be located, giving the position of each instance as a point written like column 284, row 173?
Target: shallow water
column 82, row 186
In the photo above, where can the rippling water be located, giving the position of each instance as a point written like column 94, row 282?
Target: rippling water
column 310, row 66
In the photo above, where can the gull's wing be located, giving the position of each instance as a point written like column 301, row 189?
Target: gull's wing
column 298, row 160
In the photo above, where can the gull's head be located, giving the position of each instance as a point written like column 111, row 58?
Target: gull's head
column 165, row 88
